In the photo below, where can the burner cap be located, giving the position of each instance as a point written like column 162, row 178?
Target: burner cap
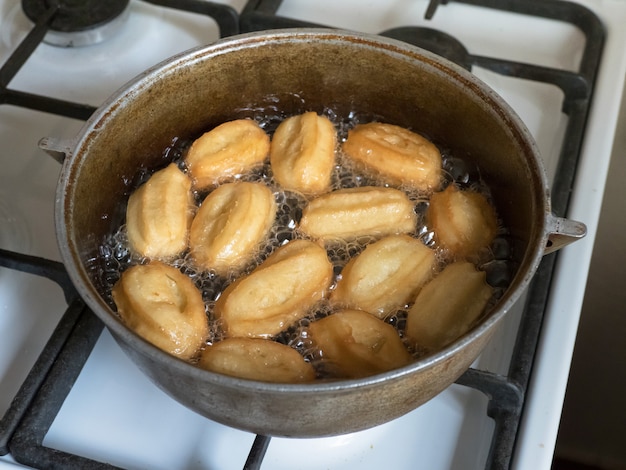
column 79, row 22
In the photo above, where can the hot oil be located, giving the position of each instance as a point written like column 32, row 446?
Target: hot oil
column 117, row 256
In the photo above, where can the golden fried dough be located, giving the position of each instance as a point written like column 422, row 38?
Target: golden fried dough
column 448, row 305
column 159, row 213
column 279, row 292
column 164, row 307
column 400, row 156
column 302, row 153
column 350, row 213
column 230, row 225
column 385, row 276
column 228, row 150
column 257, row 359
column 358, row 344
column 463, row 221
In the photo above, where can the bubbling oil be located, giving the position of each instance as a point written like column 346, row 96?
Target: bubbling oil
column 116, row 255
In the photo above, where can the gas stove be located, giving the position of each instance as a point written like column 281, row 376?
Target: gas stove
column 69, row 398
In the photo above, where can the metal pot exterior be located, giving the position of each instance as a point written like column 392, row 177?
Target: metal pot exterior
column 289, row 72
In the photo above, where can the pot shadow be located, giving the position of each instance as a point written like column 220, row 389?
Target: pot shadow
column 476, row 425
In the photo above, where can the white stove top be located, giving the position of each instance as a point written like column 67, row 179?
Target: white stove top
column 114, row 414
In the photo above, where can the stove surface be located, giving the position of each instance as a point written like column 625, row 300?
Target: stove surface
column 114, row 414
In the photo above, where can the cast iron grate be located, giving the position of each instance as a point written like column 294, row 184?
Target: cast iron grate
column 25, row 424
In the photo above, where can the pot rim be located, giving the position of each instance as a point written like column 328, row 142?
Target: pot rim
column 81, row 142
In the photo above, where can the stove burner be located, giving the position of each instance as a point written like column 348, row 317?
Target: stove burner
column 79, row 22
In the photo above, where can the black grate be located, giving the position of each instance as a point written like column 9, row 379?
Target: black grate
column 40, row 398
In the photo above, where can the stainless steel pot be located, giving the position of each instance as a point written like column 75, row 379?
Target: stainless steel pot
column 289, row 72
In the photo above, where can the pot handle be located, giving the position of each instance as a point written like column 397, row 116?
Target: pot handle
column 562, row 232
column 59, row 149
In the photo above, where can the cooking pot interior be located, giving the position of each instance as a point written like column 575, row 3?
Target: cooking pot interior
column 286, row 76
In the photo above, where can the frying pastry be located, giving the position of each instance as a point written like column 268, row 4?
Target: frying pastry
column 385, row 276
column 230, row 225
column 448, row 305
column 302, row 153
column 257, row 359
column 357, row 344
column 462, row 221
column 163, row 306
column 349, row 213
column 228, row 150
column 400, row 156
column 159, row 213
column 279, row 292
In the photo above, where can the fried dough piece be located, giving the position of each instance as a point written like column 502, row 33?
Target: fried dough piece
column 159, row 214
column 448, row 305
column 230, row 225
column 385, row 276
column 302, row 153
column 228, row 150
column 400, row 156
column 257, row 359
column 164, row 307
column 463, row 221
column 349, row 213
column 278, row 293
column 358, row 344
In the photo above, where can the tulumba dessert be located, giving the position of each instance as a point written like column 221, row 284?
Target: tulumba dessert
column 159, row 214
column 448, row 305
column 164, row 307
column 302, row 153
column 279, row 292
column 257, row 359
column 398, row 155
column 463, row 221
column 357, row 344
column 228, row 150
column 350, row 213
column 230, row 226
column 385, row 276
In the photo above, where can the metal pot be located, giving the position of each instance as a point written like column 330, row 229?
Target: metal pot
column 289, row 72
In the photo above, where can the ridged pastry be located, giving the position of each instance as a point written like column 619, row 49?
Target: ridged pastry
column 398, row 155
column 163, row 306
column 356, row 344
column 448, row 305
column 353, row 212
column 230, row 225
column 302, row 153
column 385, row 276
column 279, row 292
column 228, row 150
column 257, row 359
column 159, row 213
column 463, row 222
